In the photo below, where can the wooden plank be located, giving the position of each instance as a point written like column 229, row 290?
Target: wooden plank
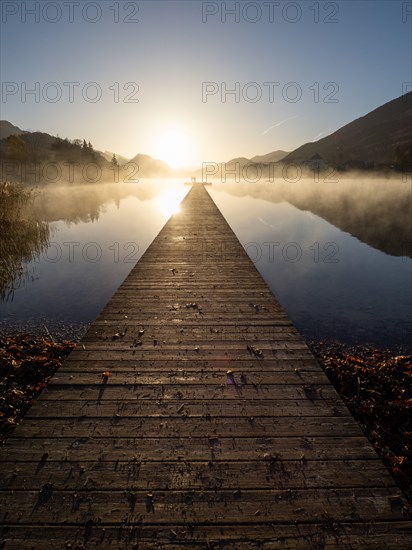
column 266, row 474
column 326, row 536
column 190, row 355
column 191, row 408
column 196, row 332
column 166, row 377
column 251, row 537
column 186, row 427
column 175, row 366
column 173, row 341
column 189, row 506
column 133, row 392
column 93, row 448
column 267, row 456
column 147, row 345
column 121, row 317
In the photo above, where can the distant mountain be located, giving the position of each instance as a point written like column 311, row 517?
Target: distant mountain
column 242, row 167
column 150, row 167
column 238, row 160
column 383, row 137
column 275, row 156
column 21, row 149
column 108, row 155
column 39, row 144
column 43, row 147
column 38, row 157
column 7, row 129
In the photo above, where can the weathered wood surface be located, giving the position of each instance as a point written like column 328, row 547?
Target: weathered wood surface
column 170, row 450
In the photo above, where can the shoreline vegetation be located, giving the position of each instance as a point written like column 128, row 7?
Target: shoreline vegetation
column 24, row 236
column 372, row 382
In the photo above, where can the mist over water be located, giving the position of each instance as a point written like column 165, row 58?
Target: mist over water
column 97, row 233
column 335, row 254
column 376, row 211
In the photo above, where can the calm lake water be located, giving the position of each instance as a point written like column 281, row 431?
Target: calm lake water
column 337, row 256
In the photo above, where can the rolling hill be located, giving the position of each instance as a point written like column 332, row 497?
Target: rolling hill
column 150, row 167
column 7, row 129
column 383, row 137
column 275, row 156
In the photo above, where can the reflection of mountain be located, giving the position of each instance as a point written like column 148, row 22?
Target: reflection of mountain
column 25, row 218
column 382, row 137
column 377, row 212
column 84, row 203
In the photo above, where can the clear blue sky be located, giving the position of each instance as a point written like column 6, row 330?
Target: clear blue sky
column 176, row 58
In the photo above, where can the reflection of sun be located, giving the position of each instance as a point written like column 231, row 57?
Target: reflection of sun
column 168, row 203
column 174, row 147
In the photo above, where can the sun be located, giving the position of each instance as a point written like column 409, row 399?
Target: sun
column 173, row 146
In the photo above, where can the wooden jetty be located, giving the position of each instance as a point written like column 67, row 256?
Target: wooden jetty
column 193, row 415
column 193, row 181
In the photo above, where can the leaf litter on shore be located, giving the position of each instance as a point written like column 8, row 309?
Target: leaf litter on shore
column 376, row 387
column 26, row 365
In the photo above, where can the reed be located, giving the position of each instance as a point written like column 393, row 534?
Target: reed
column 23, row 236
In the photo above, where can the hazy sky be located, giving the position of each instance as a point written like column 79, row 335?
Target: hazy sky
column 297, row 71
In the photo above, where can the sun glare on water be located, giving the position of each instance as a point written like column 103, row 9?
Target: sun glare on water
column 168, row 203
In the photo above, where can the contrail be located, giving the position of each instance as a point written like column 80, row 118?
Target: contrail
column 322, row 134
column 277, row 124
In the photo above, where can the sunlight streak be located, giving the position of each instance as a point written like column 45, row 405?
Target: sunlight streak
column 168, row 203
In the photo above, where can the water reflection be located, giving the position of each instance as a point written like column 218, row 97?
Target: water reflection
column 85, row 203
column 23, row 236
column 378, row 212
column 168, row 203
column 334, row 255
column 331, row 284
column 96, row 235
